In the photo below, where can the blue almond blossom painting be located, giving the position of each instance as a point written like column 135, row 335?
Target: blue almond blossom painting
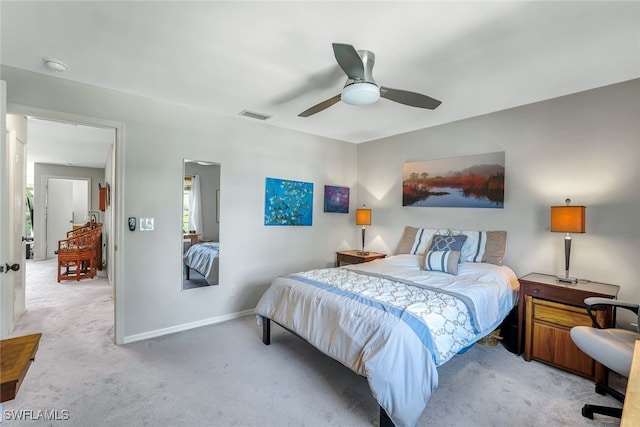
column 288, row 202
column 336, row 199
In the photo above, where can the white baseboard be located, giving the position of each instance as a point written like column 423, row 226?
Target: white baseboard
column 186, row 326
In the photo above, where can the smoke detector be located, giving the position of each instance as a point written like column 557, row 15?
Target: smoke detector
column 55, row 65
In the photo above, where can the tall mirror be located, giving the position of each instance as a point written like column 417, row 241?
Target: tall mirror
column 200, row 224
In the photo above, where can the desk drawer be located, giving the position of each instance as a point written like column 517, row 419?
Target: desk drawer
column 548, row 337
column 559, row 314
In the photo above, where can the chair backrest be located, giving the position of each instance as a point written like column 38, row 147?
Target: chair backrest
column 593, row 302
column 81, row 239
column 89, row 227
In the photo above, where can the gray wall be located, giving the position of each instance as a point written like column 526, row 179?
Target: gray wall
column 156, row 137
column 584, row 146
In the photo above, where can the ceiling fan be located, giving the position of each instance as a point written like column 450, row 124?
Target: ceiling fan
column 361, row 88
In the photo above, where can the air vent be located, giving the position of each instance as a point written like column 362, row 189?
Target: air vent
column 253, row 115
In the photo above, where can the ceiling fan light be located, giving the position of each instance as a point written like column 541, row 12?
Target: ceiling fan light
column 360, row 93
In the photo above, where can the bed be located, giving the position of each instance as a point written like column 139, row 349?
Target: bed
column 203, row 258
column 395, row 320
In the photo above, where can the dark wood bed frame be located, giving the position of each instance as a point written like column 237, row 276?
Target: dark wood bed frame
column 385, row 421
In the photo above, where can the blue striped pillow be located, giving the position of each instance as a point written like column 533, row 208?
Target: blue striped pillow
column 422, row 240
column 444, row 261
column 473, row 249
column 484, row 246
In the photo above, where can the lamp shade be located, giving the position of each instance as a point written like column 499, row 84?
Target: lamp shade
column 363, row 216
column 568, row 219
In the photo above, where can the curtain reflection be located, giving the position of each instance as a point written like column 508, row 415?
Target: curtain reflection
column 195, row 206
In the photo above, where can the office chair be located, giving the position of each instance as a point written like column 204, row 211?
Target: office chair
column 612, row 347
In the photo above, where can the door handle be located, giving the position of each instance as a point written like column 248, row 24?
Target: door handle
column 6, row 268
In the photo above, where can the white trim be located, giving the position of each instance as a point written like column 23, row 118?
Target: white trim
column 187, row 326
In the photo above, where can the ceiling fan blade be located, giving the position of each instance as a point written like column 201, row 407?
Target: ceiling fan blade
column 349, row 61
column 409, row 98
column 321, row 106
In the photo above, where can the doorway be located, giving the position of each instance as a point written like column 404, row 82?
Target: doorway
column 67, row 208
column 65, row 169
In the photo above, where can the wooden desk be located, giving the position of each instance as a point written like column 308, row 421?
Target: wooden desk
column 547, row 311
column 631, row 407
column 16, row 355
column 545, row 286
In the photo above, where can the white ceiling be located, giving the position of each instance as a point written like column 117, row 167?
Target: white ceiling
column 85, row 146
column 60, row 143
column 276, row 58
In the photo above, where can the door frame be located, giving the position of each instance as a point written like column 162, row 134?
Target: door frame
column 13, row 158
column 6, row 293
column 116, row 240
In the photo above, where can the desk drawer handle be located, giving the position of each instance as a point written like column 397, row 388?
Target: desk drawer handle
column 535, row 291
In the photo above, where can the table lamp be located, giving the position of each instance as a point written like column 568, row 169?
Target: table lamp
column 567, row 219
column 363, row 218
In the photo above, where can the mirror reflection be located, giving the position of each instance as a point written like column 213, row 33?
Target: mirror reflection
column 200, row 224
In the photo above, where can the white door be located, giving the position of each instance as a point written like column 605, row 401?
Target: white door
column 59, row 212
column 12, row 211
column 6, row 279
column 67, row 204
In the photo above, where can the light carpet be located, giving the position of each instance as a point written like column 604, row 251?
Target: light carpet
column 222, row 375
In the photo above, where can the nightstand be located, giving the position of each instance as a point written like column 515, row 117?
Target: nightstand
column 191, row 237
column 547, row 310
column 352, row 257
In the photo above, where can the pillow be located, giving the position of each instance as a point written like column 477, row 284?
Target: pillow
column 422, row 241
column 423, row 238
column 406, row 243
column 449, row 242
column 484, row 246
column 444, row 261
column 480, row 246
column 495, row 248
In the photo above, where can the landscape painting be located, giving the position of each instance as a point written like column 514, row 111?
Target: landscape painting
column 336, row 199
column 464, row 182
column 288, row 202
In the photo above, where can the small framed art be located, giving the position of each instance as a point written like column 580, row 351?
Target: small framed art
column 336, row 199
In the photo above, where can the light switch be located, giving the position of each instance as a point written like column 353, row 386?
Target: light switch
column 146, row 224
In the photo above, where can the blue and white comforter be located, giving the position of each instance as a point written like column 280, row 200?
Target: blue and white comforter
column 204, row 258
column 391, row 322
